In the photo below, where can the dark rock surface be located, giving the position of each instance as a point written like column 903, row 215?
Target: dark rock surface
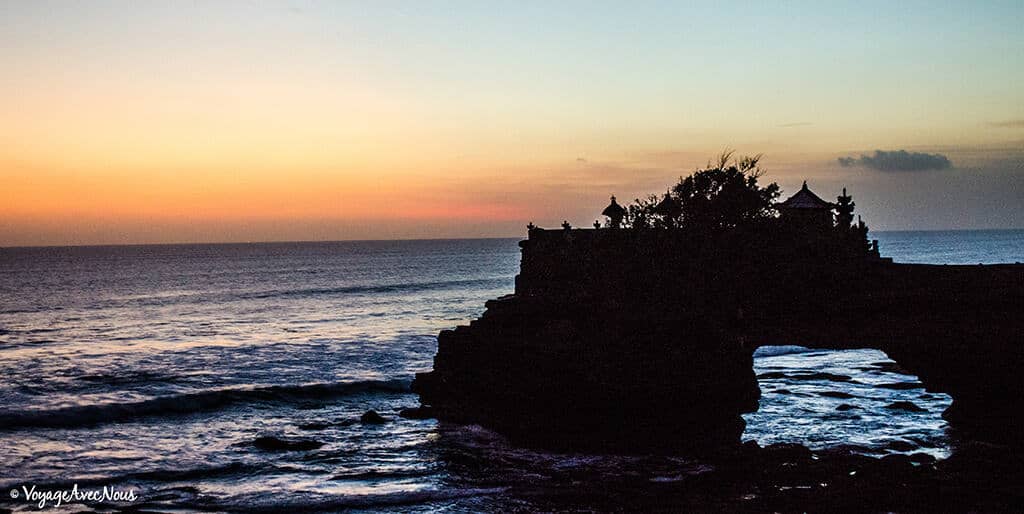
column 276, row 444
column 417, row 413
column 643, row 340
column 839, row 481
column 905, row 406
column 792, row 478
column 836, row 394
column 371, row 417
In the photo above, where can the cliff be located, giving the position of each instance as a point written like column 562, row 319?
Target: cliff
column 643, row 339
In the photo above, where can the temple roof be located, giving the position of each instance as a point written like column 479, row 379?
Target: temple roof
column 613, row 209
column 667, row 206
column 805, row 199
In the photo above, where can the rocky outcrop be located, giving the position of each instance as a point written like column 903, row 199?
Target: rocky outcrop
column 558, row 376
column 960, row 329
column 643, row 340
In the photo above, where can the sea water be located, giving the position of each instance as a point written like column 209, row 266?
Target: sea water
column 232, row 377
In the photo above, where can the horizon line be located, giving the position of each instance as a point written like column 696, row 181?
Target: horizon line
column 410, row 239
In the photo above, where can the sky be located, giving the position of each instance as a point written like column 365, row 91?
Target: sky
column 203, row 121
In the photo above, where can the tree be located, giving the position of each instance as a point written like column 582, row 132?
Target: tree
column 844, row 210
column 726, row 195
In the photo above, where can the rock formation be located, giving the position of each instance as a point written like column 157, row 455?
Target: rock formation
column 642, row 340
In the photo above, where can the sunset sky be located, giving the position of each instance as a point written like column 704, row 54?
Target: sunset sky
column 143, row 122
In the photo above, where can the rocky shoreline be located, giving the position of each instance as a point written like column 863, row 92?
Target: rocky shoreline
column 979, row 477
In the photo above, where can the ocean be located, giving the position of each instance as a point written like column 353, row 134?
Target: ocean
column 231, row 377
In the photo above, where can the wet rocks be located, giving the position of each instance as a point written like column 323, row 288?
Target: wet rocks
column 905, row 406
column 371, row 417
column 276, row 444
column 417, row 413
column 895, row 466
column 791, row 478
column 787, row 452
column 887, row 367
column 808, row 375
column 836, row 394
column 900, row 445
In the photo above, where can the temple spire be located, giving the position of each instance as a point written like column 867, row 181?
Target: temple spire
column 615, row 213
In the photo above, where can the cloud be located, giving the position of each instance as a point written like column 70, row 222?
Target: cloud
column 1007, row 124
column 898, row 160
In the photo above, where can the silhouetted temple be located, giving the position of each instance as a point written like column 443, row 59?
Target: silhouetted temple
column 807, row 209
column 666, row 207
column 615, row 213
column 642, row 338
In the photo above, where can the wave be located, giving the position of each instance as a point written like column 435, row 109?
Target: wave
column 193, row 474
column 230, row 295
column 773, row 351
column 335, row 502
column 381, row 474
column 121, row 379
column 231, row 469
column 806, row 375
column 189, row 403
column 377, row 289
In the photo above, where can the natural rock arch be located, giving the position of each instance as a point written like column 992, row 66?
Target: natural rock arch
column 644, row 339
column 852, row 397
